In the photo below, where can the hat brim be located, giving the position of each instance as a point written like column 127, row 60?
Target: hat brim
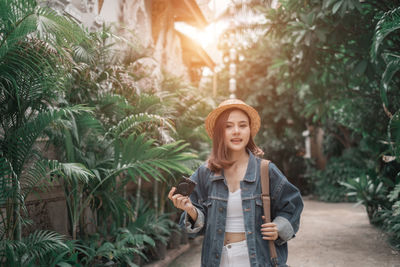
column 255, row 120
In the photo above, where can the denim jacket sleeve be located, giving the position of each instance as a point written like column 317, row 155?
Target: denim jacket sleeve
column 197, row 198
column 287, row 205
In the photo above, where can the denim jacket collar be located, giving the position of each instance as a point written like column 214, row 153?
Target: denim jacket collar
column 251, row 172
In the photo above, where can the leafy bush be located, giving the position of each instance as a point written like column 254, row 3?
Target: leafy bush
column 33, row 250
column 370, row 191
column 390, row 217
column 326, row 184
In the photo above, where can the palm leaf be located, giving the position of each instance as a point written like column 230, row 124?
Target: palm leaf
column 6, row 177
column 7, row 192
column 17, row 145
column 393, row 132
column 389, row 22
column 27, row 79
column 36, row 178
column 25, row 17
column 30, row 249
column 141, row 158
column 71, row 171
column 40, row 244
column 392, row 67
column 134, row 122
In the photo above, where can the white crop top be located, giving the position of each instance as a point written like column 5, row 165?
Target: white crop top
column 234, row 216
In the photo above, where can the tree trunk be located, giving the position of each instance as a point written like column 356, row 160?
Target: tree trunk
column 155, row 197
column 124, row 219
column 17, row 210
column 74, row 226
column 162, row 199
column 139, row 187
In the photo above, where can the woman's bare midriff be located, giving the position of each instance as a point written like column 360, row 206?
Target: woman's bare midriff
column 234, row 237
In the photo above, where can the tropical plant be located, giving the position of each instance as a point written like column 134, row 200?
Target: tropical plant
column 385, row 45
column 369, row 190
column 31, row 39
column 33, row 250
column 330, row 64
column 390, row 217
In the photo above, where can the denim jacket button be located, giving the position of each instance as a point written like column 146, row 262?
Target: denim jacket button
column 221, row 209
column 249, row 232
column 217, row 255
column 219, row 231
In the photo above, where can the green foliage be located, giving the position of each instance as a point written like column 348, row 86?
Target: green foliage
column 134, row 122
column 338, row 61
column 369, row 191
column 394, row 135
column 188, row 107
column 123, row 246
column 32, row 250
column 327, row 183
column 49, row 66
column 387, row 25
column 389, row 217
column 31, row 39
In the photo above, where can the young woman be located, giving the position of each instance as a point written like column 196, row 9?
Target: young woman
column 226, row 205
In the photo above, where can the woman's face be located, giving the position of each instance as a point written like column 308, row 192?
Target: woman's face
column 237, row 131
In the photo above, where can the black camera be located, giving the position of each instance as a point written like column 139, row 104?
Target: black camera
column 185, row 187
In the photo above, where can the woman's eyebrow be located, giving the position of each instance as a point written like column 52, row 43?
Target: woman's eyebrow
column 238, row 122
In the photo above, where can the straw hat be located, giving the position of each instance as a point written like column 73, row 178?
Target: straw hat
column 255, row 120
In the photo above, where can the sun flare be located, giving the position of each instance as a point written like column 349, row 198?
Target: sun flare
column 207, row 37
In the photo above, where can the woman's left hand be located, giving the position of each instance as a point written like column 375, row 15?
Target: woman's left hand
column 269, row 231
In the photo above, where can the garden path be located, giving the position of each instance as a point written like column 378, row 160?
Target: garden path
column 330, row 235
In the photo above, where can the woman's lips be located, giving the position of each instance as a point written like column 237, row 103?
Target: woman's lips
column 236, row 140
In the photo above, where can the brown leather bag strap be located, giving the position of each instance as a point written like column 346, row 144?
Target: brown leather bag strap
column 266, row 199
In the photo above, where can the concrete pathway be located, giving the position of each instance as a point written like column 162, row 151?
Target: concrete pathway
column 330, row 235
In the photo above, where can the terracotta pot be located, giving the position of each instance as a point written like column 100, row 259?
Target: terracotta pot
column 184, row 237
column 137, row 259
column 174, row 240
column 159, row 251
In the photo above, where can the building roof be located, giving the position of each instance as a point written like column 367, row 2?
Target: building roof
column 193, row 54
column 189, row 12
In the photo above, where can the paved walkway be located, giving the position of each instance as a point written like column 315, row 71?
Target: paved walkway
column 330, row 235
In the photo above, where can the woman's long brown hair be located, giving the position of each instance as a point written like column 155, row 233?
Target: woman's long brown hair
column 219, row 156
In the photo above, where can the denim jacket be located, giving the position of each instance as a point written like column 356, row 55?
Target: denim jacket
column 210, row 198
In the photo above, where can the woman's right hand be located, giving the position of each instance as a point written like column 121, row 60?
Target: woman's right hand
column 180, row 201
